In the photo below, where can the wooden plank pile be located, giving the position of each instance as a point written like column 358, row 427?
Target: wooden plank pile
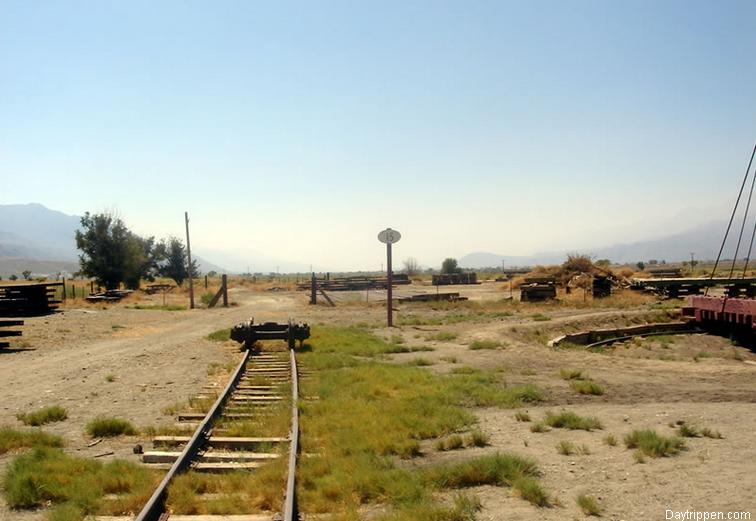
column 111, row 295
column 537, row 289
column 453, row 279
column 665, row 273
column 28, row 299
column 601, row 286
column 356, row 283
column 5, row 334
column 433, row 297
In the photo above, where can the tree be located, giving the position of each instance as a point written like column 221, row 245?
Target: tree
column 13, row 277
column 112, row 254
column 174, row 260
column 641, row 266
column 603, row 263
column 449, row 266
column 411, row 266
column 26, row 274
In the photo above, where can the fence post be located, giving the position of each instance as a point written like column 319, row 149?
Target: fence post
column 313, row 290
column 224, row 281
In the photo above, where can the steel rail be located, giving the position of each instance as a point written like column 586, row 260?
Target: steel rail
column 290, row 505
column 155, row 507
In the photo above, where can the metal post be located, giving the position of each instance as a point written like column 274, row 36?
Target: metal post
column 189, row 267
column 388, row 289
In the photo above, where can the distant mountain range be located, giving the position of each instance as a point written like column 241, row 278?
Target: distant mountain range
column 35, row 238
column 703, row 241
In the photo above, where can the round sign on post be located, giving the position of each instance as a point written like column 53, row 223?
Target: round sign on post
column 389, row 237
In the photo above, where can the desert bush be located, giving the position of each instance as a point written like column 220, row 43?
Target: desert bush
column 109, row 427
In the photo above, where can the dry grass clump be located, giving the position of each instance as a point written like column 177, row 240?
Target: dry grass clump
column 572, row 421
column 568, row 448
column 484, row 344
column 76, row 486
column 500, row 469
column 522, row 416
column 11, row 439
column 53, row 413
column 572, row 374
column 651, row 444
column 587, row 387
column 108, row 427
column 589, row 505
column 686, row 430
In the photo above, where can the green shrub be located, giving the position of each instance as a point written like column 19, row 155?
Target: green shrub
column 53, row 413
column 109, row 427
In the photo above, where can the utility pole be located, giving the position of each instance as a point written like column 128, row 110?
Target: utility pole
column 189, row 256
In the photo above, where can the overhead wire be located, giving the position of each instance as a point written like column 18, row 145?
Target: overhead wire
column 732, row 217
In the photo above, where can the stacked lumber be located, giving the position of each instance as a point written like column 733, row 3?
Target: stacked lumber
column 355, row 283
column 5, row 334
column 452, row 279
column 537, row 289
column 28, row 299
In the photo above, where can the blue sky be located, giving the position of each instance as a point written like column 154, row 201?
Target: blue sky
column 301, row 129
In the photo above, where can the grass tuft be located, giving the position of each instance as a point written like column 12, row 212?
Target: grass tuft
column 572, row 421
column 11, row 439
column 484, row 344
column 587, row 387
column 477, row 439
column 611, row 440
column 220, row 335
column 76, row 486
column 108, row 427
column 522, row 416
column 53, row 413
column 651, row 444
column 572, row 374
column 589, row 505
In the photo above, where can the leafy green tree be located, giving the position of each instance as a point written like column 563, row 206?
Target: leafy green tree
column 174, row 260
column 450, row 266
column 13, row 277
column 26, row 274
column 641, row 266
column 112, row 254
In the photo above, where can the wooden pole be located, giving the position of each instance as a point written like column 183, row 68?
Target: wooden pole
column 224, row 281
column 389, row 277
column 313, row 290
column 189, row 267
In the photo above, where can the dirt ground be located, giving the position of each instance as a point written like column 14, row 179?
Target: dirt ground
column 158, row 358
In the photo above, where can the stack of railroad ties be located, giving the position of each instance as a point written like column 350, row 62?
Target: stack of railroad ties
column 256, row 389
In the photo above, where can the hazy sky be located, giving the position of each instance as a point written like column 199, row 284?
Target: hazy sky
column 302, row 129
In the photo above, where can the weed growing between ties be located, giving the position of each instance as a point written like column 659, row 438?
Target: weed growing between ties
column 76, row 486
column 370, row 414
column 54, row 413
column 233, row 493
column 11, row 439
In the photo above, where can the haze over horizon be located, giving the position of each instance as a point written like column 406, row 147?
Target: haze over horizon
column 300, row 130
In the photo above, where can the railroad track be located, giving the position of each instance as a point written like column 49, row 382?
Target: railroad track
column 256, row 386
